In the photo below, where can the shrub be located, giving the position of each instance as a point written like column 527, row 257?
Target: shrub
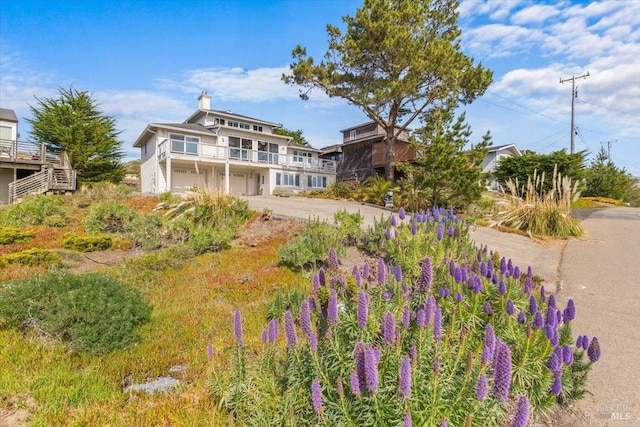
column 311, row 245
column 10, row 235
column 110, row 217
column 544, row 213
column 457, row 341
column 92, row 313
column 87, row 243
column 102, row 191
column 147, row 232
column 37, row 210
column 339, row 190
column 34, row 257
column 349, row 226
column 168, row 198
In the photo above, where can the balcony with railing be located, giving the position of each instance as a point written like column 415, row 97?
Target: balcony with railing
column 256, row 158
column 27, row 152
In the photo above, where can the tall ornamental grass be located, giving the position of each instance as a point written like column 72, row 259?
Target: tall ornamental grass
column 436, row 333
column 540, row 212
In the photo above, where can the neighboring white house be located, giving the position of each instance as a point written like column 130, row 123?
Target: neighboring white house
column 492, row 159
column 224, row 151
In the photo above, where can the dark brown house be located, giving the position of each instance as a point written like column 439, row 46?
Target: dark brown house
column 362, row 152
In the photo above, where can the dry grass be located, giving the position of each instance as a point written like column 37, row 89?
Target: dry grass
column 544, row 213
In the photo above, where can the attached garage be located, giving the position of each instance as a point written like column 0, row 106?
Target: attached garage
column 184, row 179
column 237, row 183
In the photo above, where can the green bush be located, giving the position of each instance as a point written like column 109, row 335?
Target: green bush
column 92, row 313
column 459, row 341
column 110, row 217
column 102, row 191
column 87, row 243
column 34, row 257
column 209, row 239
column 339, row 190
column 10, row 235
column 147, row 232
column 311, row 246
column 349, row 226
column 38, row 210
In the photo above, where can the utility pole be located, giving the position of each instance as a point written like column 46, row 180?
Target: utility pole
column 609, row 147
column 574, row 95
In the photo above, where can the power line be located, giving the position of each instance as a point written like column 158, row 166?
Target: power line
column 524, row 108
column 608, row 108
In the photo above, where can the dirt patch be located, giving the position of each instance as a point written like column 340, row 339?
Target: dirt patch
column 263, row 228
column 92, row 261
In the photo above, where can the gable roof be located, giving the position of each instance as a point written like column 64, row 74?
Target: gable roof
column 8, row 115
column 512, row 147
column 192, row 127
column 228, row 114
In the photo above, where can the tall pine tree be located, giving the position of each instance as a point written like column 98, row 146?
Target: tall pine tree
column 73, row 123
column 604, row 179
column 446, row 173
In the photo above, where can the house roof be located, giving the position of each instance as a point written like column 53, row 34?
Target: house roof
column 232, row 115
column 8, row 115
column 193, row 127
column 512, row 147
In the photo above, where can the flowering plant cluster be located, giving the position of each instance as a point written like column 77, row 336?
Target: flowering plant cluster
column 437, row 332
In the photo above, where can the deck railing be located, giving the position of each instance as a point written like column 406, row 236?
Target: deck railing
column 210, row 152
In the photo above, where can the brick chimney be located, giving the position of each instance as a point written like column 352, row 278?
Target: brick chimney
column 204, row 101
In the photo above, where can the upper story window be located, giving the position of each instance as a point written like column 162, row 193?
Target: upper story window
column 353, row 134
column 218, row 121
column 240, row 125
column 184, row 144
column 299, row 156
column 257, row 128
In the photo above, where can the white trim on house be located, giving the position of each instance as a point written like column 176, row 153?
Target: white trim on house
column 493, row 157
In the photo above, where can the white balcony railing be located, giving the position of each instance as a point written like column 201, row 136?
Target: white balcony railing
column 212, row 153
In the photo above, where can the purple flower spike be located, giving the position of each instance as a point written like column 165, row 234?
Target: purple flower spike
column 502, row 371
column 363, row 309
column 421, row 318
column 440, row 232
column 312, row 303
column 371, row 369
column 516, row 272
column 593, row 350
column 389, row 234
column 533, row 305
column 272, row 333
column 444, row 423
column 486, row 308
column 414, row 228
column 401, row 213
column 444, row 292
column 452, row 267
column 457, row 274
column 406, row 316
column 426, row 274
column 398, row 273
column 511, row 309
column 538, row 322
column 543, row 294
column 237, row 326
column 556, row 388
column 365, row 271
column 263, row 337
column 502, row 287
column 479, row 255
column 489, row 343
column 548, row 330
column 570, row 311
column 404, row 385
column 483, row 269
column 210, row 352
column 316, row 396
column 521, row 317
column 459, row 297
column 332, row 310
column 554, row 364
column 452, row 231
column 406, row 421
column 521, row 418
column 567, row 354
column 316, row 282
column 394, row 222
column 482, row 388
column 389, row 328
column 290, row 330
column 437, row 324
column 332, row 259
column 322, row 277
column 305, row 318
column 355, row 383
column 503, row 265
column 382, row 272
column 313, row 342
column 552, row 301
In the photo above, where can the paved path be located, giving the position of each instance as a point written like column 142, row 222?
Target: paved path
column 602, row 274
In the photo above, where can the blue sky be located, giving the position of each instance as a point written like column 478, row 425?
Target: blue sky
column 147, row 61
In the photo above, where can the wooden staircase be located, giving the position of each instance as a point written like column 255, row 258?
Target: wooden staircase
column 56, row 176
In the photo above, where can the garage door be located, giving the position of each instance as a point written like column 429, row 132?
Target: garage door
column 184, row 179
column 237, row 183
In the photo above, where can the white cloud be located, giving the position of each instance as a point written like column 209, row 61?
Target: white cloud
column 535, row 14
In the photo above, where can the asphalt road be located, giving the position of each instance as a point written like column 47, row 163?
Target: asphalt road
column 602, row 274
